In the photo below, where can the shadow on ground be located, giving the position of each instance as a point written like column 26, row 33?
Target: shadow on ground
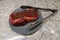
column 23, row 30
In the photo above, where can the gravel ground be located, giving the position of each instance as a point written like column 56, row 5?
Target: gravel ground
column 49, row 30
